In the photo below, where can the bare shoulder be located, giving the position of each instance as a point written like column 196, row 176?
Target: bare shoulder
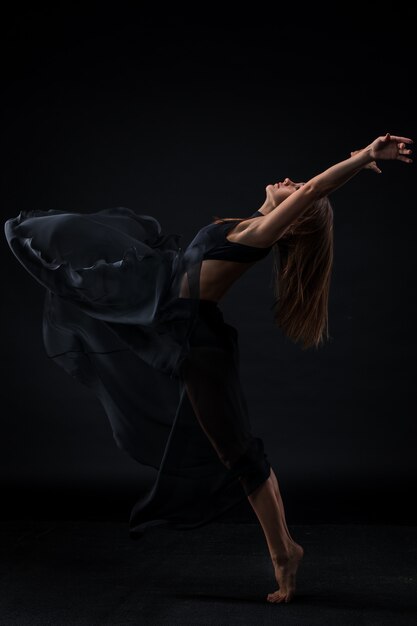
column 263, row 231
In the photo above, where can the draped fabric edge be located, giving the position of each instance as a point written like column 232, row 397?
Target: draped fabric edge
column 119, row 340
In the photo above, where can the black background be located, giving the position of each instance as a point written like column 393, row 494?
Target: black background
column 183, row 118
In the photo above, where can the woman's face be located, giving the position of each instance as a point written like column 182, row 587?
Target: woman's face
column 279, row 191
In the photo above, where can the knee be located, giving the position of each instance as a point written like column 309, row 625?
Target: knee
column 253, row 467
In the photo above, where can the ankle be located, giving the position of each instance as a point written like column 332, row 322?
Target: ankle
column 282, row 557
column 286, row 552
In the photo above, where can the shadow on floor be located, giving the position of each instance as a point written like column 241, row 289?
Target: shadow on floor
column 92, row 573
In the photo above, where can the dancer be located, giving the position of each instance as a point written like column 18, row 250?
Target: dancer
column 136, row 318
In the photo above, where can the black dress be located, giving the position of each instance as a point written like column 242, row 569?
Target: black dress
column 165, row 368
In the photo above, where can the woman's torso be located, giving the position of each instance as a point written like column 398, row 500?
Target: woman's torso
column 217, row 275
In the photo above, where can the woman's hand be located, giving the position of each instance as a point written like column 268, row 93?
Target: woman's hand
column 369, row 166
column 390, row 148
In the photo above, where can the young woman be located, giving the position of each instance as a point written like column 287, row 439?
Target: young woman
column 136, row 318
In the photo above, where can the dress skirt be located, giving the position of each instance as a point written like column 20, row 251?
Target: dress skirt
column 164, row 367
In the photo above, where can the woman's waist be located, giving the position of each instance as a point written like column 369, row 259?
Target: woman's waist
column 209, row 310
column 202, row 302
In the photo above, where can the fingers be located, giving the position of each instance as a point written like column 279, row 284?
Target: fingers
column 374, row 167
column 403, row 158
column 402, row 151
column 402, row 139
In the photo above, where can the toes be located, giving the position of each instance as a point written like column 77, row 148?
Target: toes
column 275, row 597
column 278, row 599
column 271, row 596
column 278, row 596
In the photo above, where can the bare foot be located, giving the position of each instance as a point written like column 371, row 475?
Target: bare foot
column 285, row 572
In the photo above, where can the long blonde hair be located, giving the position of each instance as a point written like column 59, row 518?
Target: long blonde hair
column 302, row 268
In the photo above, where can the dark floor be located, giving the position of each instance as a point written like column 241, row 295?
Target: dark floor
column 92, row 573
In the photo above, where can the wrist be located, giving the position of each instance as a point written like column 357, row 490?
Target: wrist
column 364, row 157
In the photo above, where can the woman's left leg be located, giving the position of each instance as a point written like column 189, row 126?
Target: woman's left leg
column 214, row 390
column 280, row 503
column 212, row 381
column 213, row 387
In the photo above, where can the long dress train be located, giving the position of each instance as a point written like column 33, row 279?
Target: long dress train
column 165, row 368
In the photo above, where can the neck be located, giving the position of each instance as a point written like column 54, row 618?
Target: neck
column 267, row 207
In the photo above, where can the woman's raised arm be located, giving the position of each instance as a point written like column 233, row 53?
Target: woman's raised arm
column 271, row 227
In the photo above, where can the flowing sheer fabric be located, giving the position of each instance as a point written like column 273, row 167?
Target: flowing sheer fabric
column 165, row 368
